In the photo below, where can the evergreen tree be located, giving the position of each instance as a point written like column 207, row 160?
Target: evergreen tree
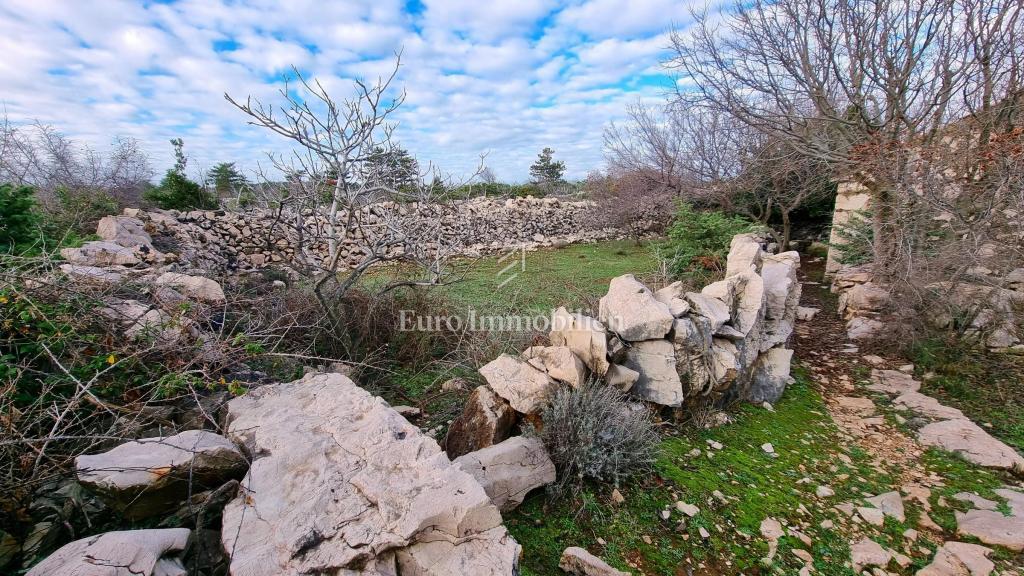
column 176, row 191
column 546, row 170
column 226, row 180
column 394, row 167
column 18, row 217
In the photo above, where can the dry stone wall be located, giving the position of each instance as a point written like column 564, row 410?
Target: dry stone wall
column 222, row 240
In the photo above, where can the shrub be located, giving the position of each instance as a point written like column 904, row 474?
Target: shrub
column 177, row 192
column 18, row 216
column 855, row 243
column 698, row 241
column 593, row 432
column 78, row 211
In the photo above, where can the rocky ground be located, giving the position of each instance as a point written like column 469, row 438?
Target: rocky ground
column 932, row 455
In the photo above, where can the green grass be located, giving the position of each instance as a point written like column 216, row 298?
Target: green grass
column 987, row 387
column 572, row 276
column 755, row 484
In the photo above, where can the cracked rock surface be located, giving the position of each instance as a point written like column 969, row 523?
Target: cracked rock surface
column 340, row 483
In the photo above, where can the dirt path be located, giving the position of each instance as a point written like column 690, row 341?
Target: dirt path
column 840, row 369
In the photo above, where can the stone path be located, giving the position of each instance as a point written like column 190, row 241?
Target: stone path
column 851, row 382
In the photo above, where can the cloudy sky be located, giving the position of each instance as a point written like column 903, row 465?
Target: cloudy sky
column 502, row 77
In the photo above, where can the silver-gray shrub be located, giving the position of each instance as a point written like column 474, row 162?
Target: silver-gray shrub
column 594, row 432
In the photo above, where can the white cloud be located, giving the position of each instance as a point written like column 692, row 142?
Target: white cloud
column 504, row 77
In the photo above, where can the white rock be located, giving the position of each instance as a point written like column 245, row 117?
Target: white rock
column 688, row 509
column 196, row 287
column 101, row 254
column 824, row 492
column 585, row 336
column 631, row 311
column 866, row 552
column 559, row 362
column 890, row 503
column 725, row 365
column 991, row 527
column 341, row 483
column 510, row 469
column 524, row 386
column 125, row 231
column 715, row 310
column 971, row 442
column 578, row 561
column 927, row 406
column 770, row 376
column 861, row 328
column 806, row 313
column 745, row 255
column 673, row 296
column 126, row 553
column 892, row 382
column 659, row 381
column 92, row 274
column 151, row 476
column 782, row 297
column 744, row 297
column 959, row 559
column 621, row 377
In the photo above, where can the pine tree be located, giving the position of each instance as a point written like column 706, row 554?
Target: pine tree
column 546, row 170
column 226, row 180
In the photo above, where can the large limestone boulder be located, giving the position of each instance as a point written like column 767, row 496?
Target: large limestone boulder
column 655, row 362
column 691, row 339
column 152, row 476
column 782, row 297
column 725, row 363
column 129, row 232
column 195, row 287
column 972, row 443
column 509, row 470
column 673, row 296
column 485, row 420
column 744, row 297
column 524, row 385
column 127, row 553
column 100, row 254
column 714, row 310
column 340, row 483
column 579, row 562
column 585, row 336
column 745, row 255
column 559, row 362
column 863, row 299
column 770, row 376
column 631, row 311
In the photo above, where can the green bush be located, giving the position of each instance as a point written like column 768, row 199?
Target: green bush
column 698, row 241
column 18, row 217
column 78, row 211
column 177, row 192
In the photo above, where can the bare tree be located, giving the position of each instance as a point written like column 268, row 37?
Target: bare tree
column 38, row 155
column 863, row 87
column 347, row 216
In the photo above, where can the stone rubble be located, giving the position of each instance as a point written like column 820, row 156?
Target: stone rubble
column 578, row 561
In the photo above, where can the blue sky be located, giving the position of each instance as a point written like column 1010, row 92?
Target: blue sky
column 501, row 77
